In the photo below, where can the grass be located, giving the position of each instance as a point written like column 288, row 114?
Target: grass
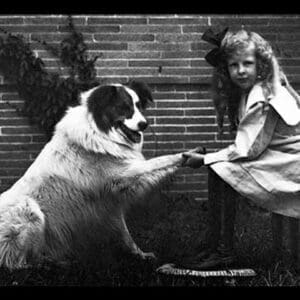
column 174, row 229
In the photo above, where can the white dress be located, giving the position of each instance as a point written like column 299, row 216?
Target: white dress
column 263, row 163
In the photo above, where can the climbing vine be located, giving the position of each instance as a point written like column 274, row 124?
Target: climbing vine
column 47, row 95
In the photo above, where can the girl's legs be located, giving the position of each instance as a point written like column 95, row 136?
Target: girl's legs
column 222, row 210
column 215, row 186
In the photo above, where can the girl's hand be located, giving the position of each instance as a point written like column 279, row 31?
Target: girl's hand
column 193, row 160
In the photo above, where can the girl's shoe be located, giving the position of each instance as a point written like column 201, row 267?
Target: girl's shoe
column 222, row 258
column 214, row 260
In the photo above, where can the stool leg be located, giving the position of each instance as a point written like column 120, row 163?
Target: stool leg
column 293, row 229
column 277, row 233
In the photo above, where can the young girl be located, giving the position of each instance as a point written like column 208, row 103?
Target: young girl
column 263, row 163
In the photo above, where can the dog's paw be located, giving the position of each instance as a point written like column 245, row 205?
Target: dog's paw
column 147, row 255
column 200, row 150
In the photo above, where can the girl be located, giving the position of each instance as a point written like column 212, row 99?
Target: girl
column 263, row 163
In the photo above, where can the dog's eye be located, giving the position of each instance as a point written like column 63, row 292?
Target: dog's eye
column 141, row 106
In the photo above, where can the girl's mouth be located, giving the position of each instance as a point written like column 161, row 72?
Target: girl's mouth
column 243, row 80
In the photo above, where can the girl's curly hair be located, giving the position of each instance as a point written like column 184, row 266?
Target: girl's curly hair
column 225, row 94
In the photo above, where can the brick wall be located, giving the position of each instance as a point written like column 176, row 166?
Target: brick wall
column 164, row 50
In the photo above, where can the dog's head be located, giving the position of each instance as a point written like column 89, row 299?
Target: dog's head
column 120, row 107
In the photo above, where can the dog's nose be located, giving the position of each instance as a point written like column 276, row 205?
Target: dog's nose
column 142, row 126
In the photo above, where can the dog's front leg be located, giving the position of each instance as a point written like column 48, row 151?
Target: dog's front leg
column 140, row 167
column 142, row 176
column 128, row 241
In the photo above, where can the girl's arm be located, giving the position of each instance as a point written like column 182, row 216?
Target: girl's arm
column 253, row 135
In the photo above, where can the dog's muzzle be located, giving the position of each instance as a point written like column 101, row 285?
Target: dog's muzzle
column 132, row 135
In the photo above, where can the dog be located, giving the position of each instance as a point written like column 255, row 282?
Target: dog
column 84, row 179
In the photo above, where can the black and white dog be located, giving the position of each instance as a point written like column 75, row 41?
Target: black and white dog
column 83, row 179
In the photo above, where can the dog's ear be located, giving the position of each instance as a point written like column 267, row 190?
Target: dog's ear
column 143, row 91
column 100, row 102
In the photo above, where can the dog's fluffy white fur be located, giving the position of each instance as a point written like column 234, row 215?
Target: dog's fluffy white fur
column 82, row 181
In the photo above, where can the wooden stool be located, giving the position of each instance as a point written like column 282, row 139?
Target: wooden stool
column 278, row 222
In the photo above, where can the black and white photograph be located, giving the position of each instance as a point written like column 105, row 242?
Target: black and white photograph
column 149, row 149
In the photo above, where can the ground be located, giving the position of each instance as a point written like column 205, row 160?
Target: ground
column 174, row 228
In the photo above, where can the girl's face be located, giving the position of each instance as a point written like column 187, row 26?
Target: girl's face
column 242, row 68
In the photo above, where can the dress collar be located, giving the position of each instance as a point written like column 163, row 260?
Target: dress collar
column 284, row 103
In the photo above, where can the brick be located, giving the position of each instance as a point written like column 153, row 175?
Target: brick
column 215, row 21
column 185, row 137
column 201, row 128
column 183, row 54
column 21, row 130
column 13, row 122
column 148, row 137
column 113, row 79
column 7, row 106
column 183, row 104
column 29, row 28
column 56, row 37
column 200, row 63
column 186, row 71
column 292, row 70
column 191, row 186
column 162, row 79
column 21, row 164
column 274, row 28
column 21, row 147
column 155, row 46
column 194, row 29
column 177, row 38
column 170, row 104
column 178, row 20
column 165, row 112
column 199, row 112
column 39, row 139
column 159, row 63
column 126, row 71
column 169, row 129
column 8, row 180
column 189, row 171
column 92, row 28
column 289, row 61
column 196, row 178
column 210, row 145
column 190, row 120
column 14, row 139
column 116, row 20
column 159, row 96
column 107, row 46
column 204, row 96
column 124, row 37
column 10, row 113
column 14, row 155
column 57, row 20
column 11, row 172
column 11, row 20
column 150, row 28
column 204, row 79
column 129, row 55
column 113, row 63
column 191, row 88
column 164, row 146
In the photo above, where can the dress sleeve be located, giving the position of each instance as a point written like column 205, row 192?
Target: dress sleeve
column 254, row 134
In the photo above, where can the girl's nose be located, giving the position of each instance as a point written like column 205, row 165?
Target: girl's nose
column 241, row 69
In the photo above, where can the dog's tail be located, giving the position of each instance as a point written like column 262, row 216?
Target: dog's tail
column 21, row 232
